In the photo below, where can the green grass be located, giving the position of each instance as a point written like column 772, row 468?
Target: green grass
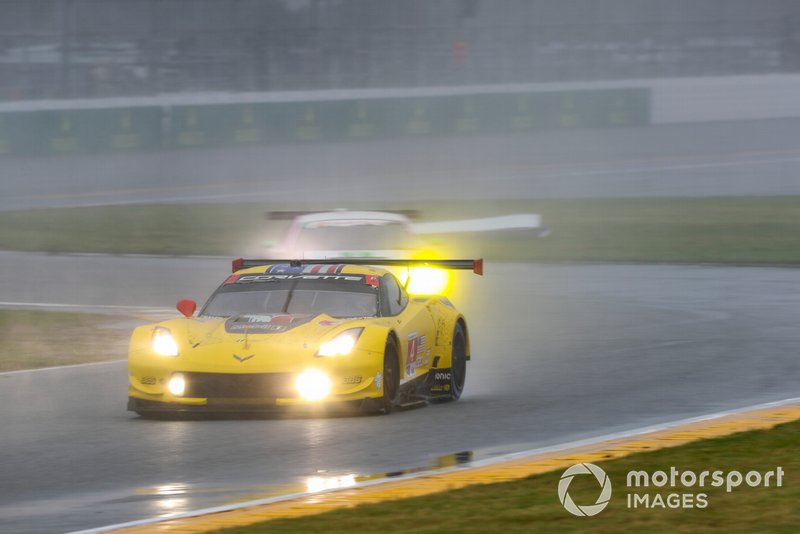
column 30, row 339
column 531, row 504
column 760, row 230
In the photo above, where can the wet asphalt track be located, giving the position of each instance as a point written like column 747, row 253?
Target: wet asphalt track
column 560, row 353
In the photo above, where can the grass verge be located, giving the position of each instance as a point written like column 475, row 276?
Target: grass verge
column 31, row 339
column 531, row 504
column 756, row 230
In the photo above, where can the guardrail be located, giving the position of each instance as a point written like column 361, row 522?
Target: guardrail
column 64, row 129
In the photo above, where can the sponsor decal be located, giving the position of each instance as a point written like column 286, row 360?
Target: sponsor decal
column 315, row 268
column 264, row 324
column 441, row 380
column 416, row 347
column 378, row 380
column 242, row 359
column 352, row 380
column 254, row 278
column 259, row 318
column 284, row 268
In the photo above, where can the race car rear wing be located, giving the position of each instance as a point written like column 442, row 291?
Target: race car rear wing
column 476, row 266
column 291, row 215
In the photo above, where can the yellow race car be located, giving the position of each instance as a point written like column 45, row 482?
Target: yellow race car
column 304, row 334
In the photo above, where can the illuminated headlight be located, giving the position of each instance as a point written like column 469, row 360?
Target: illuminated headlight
column 177, row 385
column 313, row 385
column 340, row 345
column 425, row 281
column 163, row 342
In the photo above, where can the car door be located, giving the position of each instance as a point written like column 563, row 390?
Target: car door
column 414, row 325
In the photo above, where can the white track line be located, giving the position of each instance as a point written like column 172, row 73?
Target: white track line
column 58, row 367
column 482, row 463
column 123, row 307
column 676, row 167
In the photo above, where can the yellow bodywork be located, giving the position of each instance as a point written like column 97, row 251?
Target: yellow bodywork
column 425, row 327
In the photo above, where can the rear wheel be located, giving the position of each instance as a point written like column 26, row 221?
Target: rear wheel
column 391, row 377
column 458, row 362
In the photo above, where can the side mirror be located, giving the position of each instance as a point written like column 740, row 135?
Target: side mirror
column 186, row 307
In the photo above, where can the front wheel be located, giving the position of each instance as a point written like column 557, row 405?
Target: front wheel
column 458, row 363
column 391, row 377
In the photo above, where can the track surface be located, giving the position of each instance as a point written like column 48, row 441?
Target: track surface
column 719, row 158
column 560, row 353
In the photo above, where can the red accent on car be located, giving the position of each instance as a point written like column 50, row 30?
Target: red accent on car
column 477, row 266
column 282, row 319
column 237, row 264
column 231, row 279
column 372, row 280
column 187, row 307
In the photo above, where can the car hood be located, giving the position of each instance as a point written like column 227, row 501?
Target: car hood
column 260, row 329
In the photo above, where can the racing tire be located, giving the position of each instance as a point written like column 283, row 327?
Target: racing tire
column 391, row 377
column 458, row 363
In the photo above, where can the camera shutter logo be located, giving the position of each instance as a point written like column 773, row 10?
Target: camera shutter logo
column 602, row 500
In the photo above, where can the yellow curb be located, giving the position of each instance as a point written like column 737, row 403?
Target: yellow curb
column 499, row 472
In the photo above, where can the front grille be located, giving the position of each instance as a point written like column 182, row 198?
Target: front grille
column 239, row 386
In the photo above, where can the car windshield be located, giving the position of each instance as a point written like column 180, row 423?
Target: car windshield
column 337, row 299
column 353, row 235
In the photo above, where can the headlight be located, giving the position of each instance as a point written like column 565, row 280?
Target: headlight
column 313, row 385
column 163, row 342
column 177, row 385
column 342, row 344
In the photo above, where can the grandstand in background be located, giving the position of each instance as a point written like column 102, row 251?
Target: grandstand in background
column 56, row 49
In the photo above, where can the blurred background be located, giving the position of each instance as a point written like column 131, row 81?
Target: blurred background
column 174, row 127
column 53, row 49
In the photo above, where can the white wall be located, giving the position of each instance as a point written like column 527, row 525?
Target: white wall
column 673, row 99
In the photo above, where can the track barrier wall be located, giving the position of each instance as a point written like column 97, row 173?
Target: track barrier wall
column 71, row 129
